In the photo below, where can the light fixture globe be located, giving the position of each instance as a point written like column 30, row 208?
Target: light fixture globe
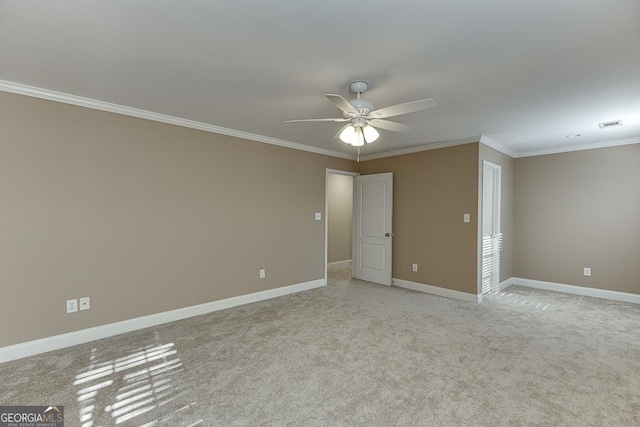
column 370, row 134
column 348, row 135
column 359, row 141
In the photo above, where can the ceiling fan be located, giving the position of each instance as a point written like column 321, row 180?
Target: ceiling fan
column 362, row 117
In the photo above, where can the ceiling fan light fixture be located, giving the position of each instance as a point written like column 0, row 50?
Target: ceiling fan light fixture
column 353, row 135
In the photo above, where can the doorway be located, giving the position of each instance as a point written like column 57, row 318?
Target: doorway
column 491, row 235
column 358, row 221
column 339, row 199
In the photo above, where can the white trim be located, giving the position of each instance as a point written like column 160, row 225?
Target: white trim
column 435, row 290
column 593, row 146
column 419, row 148
column 56, row 342
column 20, row 89
column 504, row 285
column 577, row 290
column 501, row 148
column 340, row 263
column 339, row 172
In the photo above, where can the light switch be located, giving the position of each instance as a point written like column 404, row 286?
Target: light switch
column 467, row 217
column 318, row 216
column 72, row 305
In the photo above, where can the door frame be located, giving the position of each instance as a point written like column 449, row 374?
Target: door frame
column 497, row 208
column 328, row 172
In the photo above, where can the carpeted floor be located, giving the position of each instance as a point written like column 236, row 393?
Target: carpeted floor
column 355, row 353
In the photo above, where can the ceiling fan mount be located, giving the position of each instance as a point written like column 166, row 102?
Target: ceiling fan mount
column 358, row 86
column 363, row 119
column 363, row 106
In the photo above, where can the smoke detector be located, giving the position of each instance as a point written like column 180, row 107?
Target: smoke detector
column 610, row 124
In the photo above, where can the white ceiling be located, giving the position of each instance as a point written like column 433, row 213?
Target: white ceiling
column 524, row 74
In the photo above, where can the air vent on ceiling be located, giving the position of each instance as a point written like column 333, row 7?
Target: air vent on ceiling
column 610, row 124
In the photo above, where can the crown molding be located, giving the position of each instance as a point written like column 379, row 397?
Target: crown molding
column 419, row 148
column 501, row 148
column 593, row 146
column 36, row 92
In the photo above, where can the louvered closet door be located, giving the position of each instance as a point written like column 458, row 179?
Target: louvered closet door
column 491, row 235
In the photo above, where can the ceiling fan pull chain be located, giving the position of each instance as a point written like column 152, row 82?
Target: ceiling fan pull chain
column 358, row 154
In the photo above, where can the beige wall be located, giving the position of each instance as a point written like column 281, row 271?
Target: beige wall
column 432, row 190
column 506, row 164
column 576, row 210
column 144, row 217
column 339, row 217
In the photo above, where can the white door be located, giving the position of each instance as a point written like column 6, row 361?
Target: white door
column 491, row 236
column 373, row 210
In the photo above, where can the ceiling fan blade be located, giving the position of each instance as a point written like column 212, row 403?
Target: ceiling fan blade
column 337, row 135
column 406, row 108
column 342, row 103
column 340, row 120
column 389, row 125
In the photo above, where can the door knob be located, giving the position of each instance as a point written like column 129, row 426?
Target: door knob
column 388, row 234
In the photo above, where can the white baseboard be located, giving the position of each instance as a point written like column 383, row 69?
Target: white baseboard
column 57, row 342
column 339, row 263
column 435, row 290
column 505, row 284
column 577, row 290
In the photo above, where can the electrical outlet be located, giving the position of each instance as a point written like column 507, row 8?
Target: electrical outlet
column 587, row 271
column 467, row 218
column 318, row 216
column 85, row 303
column 415, row 267
column 263, row 274
column 72, row 305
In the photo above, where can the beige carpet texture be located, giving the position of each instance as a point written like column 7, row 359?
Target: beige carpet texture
column 355, row 354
